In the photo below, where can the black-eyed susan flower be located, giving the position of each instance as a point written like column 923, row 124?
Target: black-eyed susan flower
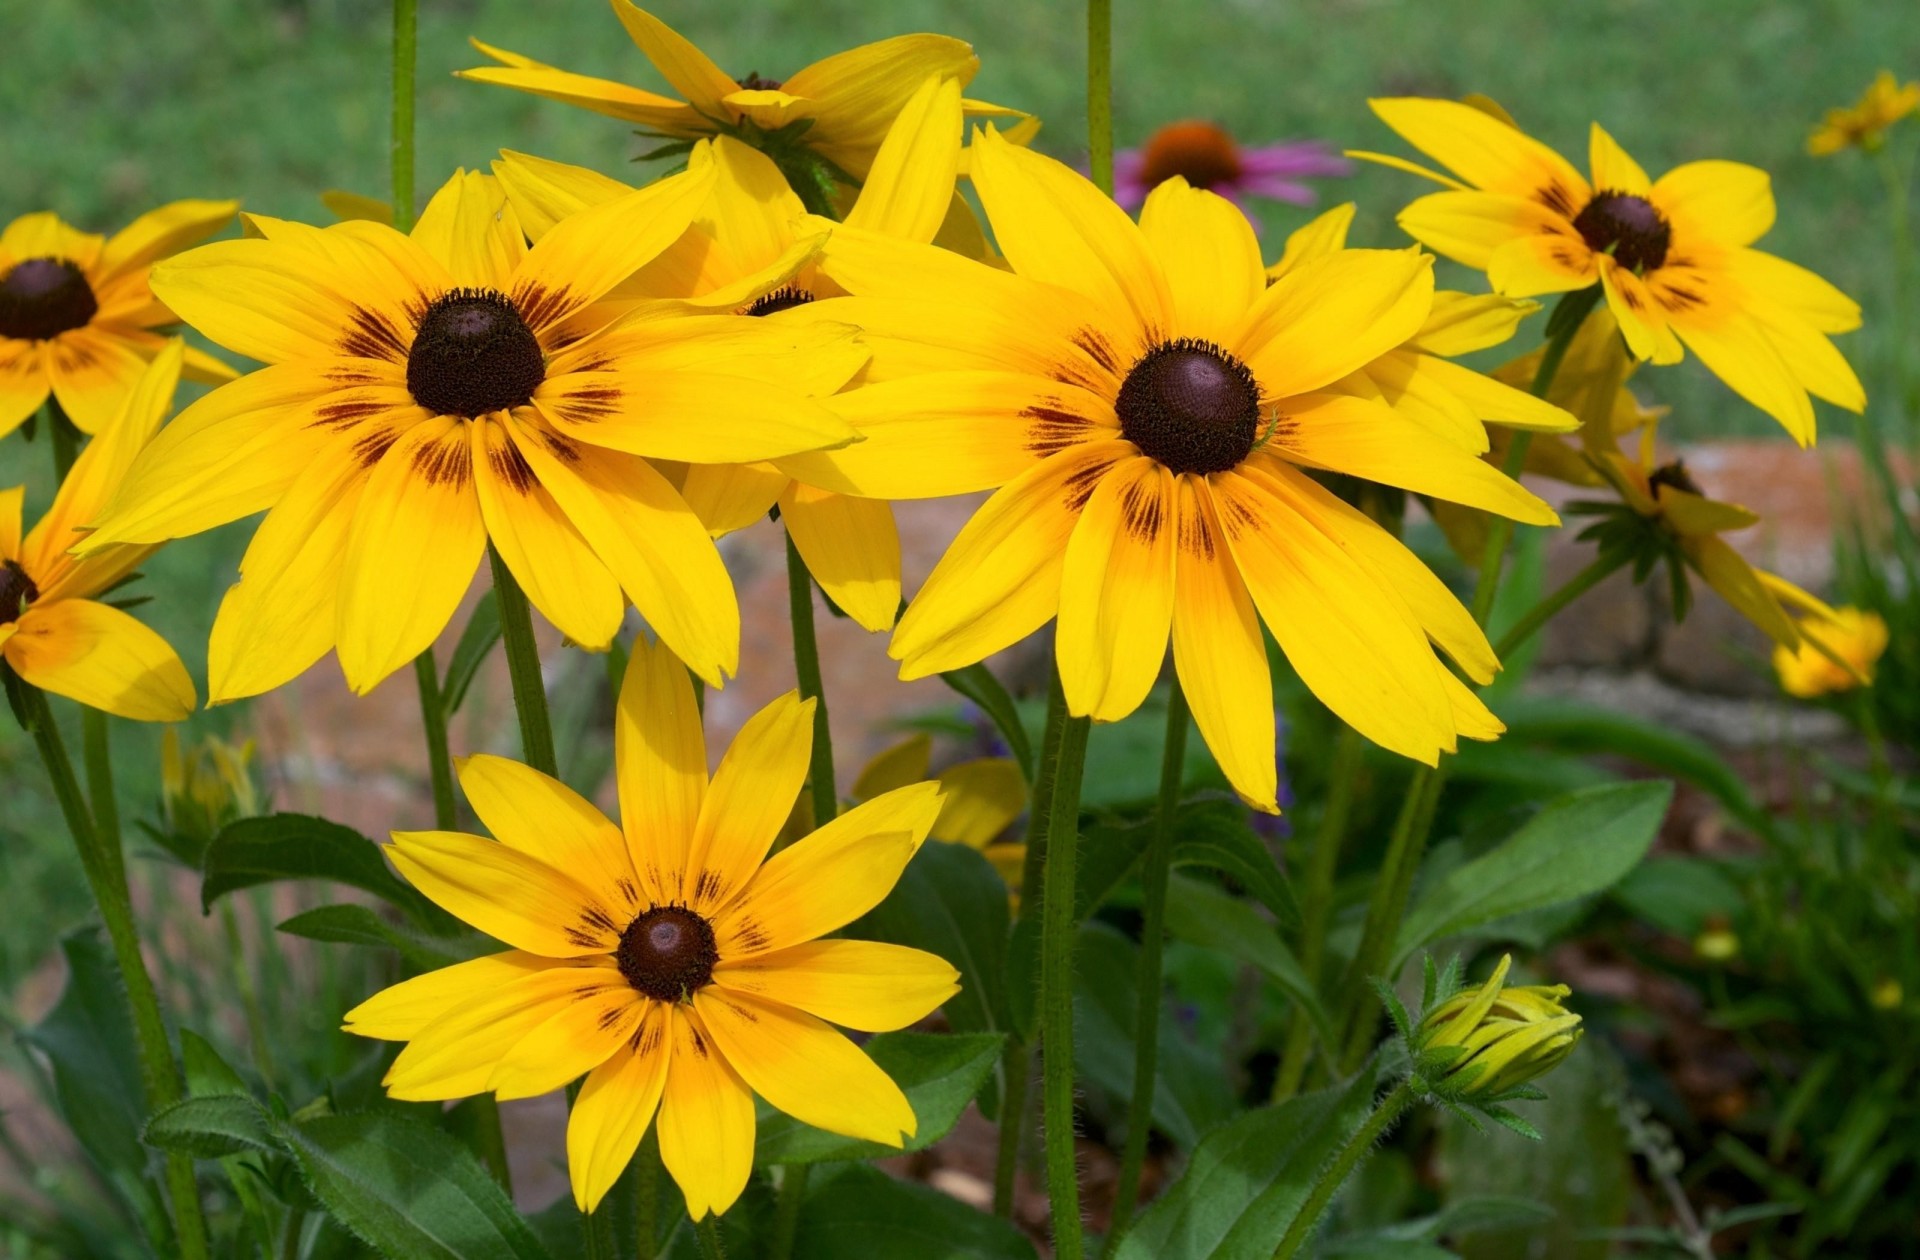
column 1144, row 406
column 1417, row 377
column 752, row 226
column 434, row 393
column 1837, row 653
column 55, row 631
column 1863, row 125
column 666, row 958
column 76, row 317
column 1207, row 156
column 1673, row 255
column 834, row 112
column 1484, row 1044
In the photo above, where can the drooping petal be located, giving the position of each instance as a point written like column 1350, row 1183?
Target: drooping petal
column 1815, row 300
column 615, row 1105
column 865, row 985
column 1326, row 318
column 749, row 800
column 1461, row 323
column 545, row 819
column 727, row 497
column 1736, row 348
column 1738, row 582
column 706, row 1119
column 1209, row 255
column 24, row 384
column 1116, row 592
column 909, row 190
column 1471, row 227
column 101, row 657
column 851, row 547
column 507, row 894
column 11, row 501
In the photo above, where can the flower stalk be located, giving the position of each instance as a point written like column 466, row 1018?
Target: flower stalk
column 806, row 668
column 1068, row 756
column 1335, row 1174
column 523, row 669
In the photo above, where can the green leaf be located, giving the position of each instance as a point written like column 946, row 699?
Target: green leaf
column 1247, row 1179
column 863, row 1214
column 939, row 1074
column 1190, row 1093
column 1679, row 894
column 1109, row 855
column 89, row 1043
column 274, row 847
column 978, row 684
column 207, row 1073
column 407, row 1189
column 211, row 1127
column 1217, row 835
column 362, row 925
column 476, row 640
column 1579, row 845
column 1203, row 915
column 951, row 902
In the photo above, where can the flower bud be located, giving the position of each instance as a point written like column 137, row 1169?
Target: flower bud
column 1481, row 1044
column 207, row 788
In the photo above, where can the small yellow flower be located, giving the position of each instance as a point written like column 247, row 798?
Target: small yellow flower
column 76, row 317
column 1673, row 255
column 1717, row 942
column 1838, row 654
column 1887, row 994
column 1864, row 124
column 54, row 630
column 1481, row 1044
column 835, row 111
column 667, row 957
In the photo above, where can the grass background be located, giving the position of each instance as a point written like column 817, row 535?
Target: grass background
column 112, row 109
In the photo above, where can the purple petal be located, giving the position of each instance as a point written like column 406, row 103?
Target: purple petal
column 1299, row 158
column 1279, row 190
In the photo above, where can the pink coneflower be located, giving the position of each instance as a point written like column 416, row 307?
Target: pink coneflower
column 1209, row 158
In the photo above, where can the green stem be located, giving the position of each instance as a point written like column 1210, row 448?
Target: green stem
column 1100, row 93
column 523, row 668
column 1016, row 1067
column 1153, row 920
column 1579, row 584
column 106, row 876
column 646, row 1196
column 1040, row 803
column 406, row 21
column 707, row 1229
column 63, row 438
column 1897, row 179
column 249, row 993
column 1334, row 1175
column 786, row 1209
column 433, row 717
column 290, row 1237
column 806, row 666
column 96, row 750
column 1056, row 983
column 1317, row 903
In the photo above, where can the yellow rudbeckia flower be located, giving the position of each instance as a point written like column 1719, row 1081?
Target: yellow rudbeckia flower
column 76, row 317
column 1838, row 654
column 1672, row 254
column 434, row 393
column 667, row 958
column 835, row 111
column 1144, row 404
column 1863, row 125
column 753, row 225
column 54, row 631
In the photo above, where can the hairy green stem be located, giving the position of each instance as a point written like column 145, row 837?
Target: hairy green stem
column 786, row 1209
column 1016, row 1069
column 96, row 750
column 707, row 1229
column 1100, row 93
column 1317, row 903
column 406, row 23
column 806, row 667
column 1056, row 985
column 646, row 1195
column 1579, row 584
column 106, row 875
column 433, row 718
column 1153, row 925
column 523, row 668
column 1335, row 1174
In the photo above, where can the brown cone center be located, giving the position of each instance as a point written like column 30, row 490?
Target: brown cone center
column 668, row 953
column 1627, row 226
column 473, row 354
column 41, row 298
column 1191, row 406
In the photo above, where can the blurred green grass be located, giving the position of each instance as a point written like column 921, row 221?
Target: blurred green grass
column 114, row 108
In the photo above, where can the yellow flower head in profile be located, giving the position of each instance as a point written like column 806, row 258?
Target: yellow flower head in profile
column 1838, row 653
column 432, row 394
column 1144, row 406
column 1864, row 124
column 1485, row 1043
column 76, row 317
column 1673, row 255
column 55, row 631
column 667, row 958
column 836, row 110
column 753, row 227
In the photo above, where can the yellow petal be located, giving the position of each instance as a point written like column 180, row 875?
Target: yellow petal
column 101, row 657
column 1493, row 401
column 602, row 96
column 1646, row 330
column 470, row 229
column 1484, row 151
column 983, row 797
column 506, row 893
column 573, row 1041
column 1737, row 582
column 1000, row 579
column 727, row 497
column 1461, row 323
column 1815, row 300
column 44, row 235
column 615, row 1105
column 863, row 985
column 706, row 1119
column 1116, row 592
column 1613, row 170
column 1471, row 717
column 831, row 877
column 851, row 547
column 855, row 95
column 1326, row 318
column 660, row 764
column 904, row 764
column 160, row 232
column 1220, row 653
column 92, row 371
column 23, row 381
column 547, row 820
column 705, row 417
column 1471, row 227
column 1728, row 202
column 10, row 505
column 1737, row 349
column 1325, row 233
column 1209, row 255
column 456, row 1054
column 805, row 1068
column 1544, row 262
column 910, row 187
column 691, row 71
column 1696, row 514
column 402, row 1011
column 749, row 800
column 543, row 192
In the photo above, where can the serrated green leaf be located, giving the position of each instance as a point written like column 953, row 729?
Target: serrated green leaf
column 863, row 1214
column 348, row 924
column 939, row 1074
column 1217, row 835
column 978, row 684
column 277, row 847
column 1203, row 915
column 211, row 1127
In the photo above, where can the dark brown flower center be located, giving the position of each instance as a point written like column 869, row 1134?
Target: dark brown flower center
column 784, row 298
column 473, row 354
column 754, row 83
column 1675, row 475
column 1201, row 151
column 16, row 591
column 41, row 298
column 1628, row 227
column 1190, row 405
column 668, row 953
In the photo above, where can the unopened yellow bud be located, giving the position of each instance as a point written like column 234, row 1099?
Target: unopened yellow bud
column 1482, row 1043
column 207, row 788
